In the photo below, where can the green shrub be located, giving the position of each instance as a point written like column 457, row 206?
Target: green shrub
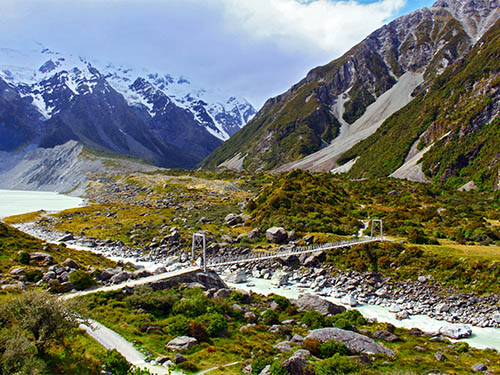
column 188, row 366
column 178, row 325
column 313, row 319
column 81, row 280
column 157, row 303
column 462, row 347
column 336, row 365
column 277, row 368
column 214, row 323
column 34, row 275
column 312, row 345
column 259, row 363
column 271, row 317
column 343, row 323
column 283, row 302
column 24, row 258
column 331, row 347
column 192, row 307
column 116, row 363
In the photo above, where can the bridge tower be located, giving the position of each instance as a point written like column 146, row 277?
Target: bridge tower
column 379, row 222
column 199, row 240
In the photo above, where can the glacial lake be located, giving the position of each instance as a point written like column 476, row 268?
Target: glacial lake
column 15, row 202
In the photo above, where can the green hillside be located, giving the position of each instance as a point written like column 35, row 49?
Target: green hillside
column 458, row 114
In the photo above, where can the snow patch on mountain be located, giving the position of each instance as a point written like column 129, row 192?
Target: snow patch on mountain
column 36, row 71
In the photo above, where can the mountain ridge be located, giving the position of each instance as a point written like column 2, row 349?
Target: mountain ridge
column 322, row 107
column 151, row 116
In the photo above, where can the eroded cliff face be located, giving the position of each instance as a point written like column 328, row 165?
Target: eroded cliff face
column 330, row 98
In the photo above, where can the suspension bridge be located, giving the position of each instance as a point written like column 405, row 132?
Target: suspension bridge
column 218, row 261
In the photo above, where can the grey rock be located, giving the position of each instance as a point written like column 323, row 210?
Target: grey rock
column 283, row 347
column 354, row 341
column 440, row 357
column 40, row 257
column 457, row 331
column 182, row 343
column 139, row 274
column 71, row 264
column 297, row 338
column 479, row 367
column 312, row 302
column 107, row 274
column 120, row 277
column 237, row 277
column 250, row 316
column 233, row 219
column 18, row 271
column 296, row 363
column 266, row 370
column 67, row 237
column 179, row 358
column 386, row 336
column 276, row 235
column 254, row 234
column 279, row 278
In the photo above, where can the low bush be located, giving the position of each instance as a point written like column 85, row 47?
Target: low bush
column 81, row 280
column 336, row 365
column 116, row 363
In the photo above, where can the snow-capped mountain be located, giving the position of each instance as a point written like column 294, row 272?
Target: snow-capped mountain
column 220, row 115
column 112, row 108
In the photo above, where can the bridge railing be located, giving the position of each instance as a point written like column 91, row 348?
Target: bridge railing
column 225, row 260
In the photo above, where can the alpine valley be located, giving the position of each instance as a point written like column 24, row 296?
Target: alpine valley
column 351, row 227
column 417, row 99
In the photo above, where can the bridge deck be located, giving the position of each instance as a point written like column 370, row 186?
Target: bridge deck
column 223, row 261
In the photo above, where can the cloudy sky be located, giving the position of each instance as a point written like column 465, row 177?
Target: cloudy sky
column 253, row 48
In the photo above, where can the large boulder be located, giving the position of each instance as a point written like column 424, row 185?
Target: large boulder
column 182, row 343
column 254, row 234
column 237, row 277
column 279, row 278
column 355, row 342
column 71, row 264
column 44, row 258
column 121, row 277
column 276, row 235
column 233, row 219
column 311, row 302
column 107, row 274
column 297, row 362
column 456, row 331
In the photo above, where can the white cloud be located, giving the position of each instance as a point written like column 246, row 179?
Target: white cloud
column 325, row 25
column 254, row 48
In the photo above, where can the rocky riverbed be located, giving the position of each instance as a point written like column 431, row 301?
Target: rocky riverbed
column 421, row 297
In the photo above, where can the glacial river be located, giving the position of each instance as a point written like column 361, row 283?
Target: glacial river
column 18, row 202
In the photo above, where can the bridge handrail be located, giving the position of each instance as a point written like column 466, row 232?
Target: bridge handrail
column 295, row 250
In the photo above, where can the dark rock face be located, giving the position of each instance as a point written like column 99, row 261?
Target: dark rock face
column 210, row 280
column 309, row 301
column 354, row 341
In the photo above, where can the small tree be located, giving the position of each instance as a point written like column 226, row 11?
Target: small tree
column 44, row 317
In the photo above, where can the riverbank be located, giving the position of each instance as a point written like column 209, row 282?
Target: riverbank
column 376, row 297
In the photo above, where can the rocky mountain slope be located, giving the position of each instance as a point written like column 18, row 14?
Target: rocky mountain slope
column 338, row 105
column 48, row 99
column 449, row 132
